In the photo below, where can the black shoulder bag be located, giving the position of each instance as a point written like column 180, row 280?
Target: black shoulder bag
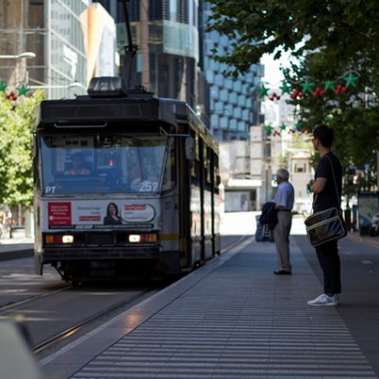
column 328, row 225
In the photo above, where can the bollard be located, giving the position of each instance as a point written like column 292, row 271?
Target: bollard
column 29, row 226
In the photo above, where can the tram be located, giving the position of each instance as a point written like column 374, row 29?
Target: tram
column 126, row 185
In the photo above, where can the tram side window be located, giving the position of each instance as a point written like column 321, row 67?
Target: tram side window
column 169, row 178
column 195, row 164
column 36, row 171
column 207, row 163
column 216, row 171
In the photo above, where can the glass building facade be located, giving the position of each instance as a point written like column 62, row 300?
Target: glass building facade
column 234, row 106
column 175, row 60
column 167, row 35
column 65, row 50
column 68, row 52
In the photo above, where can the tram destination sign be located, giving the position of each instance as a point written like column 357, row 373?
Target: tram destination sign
column 76, row 111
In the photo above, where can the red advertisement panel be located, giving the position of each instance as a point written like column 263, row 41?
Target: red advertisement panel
column 59, row 213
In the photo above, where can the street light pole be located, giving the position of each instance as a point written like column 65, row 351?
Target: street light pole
column 59, row 86
column 27, row 55
column 20, row 72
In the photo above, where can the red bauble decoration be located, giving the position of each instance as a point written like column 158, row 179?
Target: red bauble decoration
column 296, row 95
column 274, row 96
column 11, row 96
column 340, row 89
column 318, row 92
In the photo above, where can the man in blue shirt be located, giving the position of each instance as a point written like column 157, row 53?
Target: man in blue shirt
column 284, row 199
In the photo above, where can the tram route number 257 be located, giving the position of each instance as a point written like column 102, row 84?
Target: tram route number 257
column 147, row 186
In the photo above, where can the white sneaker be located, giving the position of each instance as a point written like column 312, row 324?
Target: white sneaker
column 324, row 300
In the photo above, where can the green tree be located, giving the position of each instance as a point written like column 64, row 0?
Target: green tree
column 343, row 29
column 16, row 141
column 328, row 39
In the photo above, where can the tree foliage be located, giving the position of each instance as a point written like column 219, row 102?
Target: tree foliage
column 343, row 29
column 327, row 39
column 16, row 141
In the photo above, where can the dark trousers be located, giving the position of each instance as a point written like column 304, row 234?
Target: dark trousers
column 329, row 260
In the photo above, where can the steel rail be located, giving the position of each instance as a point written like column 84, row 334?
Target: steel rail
column 40, row 347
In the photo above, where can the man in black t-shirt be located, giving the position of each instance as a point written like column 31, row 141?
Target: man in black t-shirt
column 327, row 193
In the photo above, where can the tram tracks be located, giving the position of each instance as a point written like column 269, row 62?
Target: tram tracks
column 87, row 323
column 60, row 313
column 16, row 304
column 108, row 312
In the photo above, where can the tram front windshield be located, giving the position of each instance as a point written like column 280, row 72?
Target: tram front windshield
column 100, row 163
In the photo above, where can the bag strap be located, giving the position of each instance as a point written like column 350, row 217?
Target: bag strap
column 335, row 183
column 335, row 186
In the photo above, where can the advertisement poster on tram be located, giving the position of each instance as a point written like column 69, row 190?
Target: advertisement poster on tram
column 97, row 214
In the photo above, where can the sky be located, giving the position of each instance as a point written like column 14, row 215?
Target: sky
column 273, row 80
column 273, row 75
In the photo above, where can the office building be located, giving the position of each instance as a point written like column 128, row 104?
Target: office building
column 167, row 36
column 67, row 50
column 234, row 104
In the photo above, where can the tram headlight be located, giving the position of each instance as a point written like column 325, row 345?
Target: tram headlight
column 134, row 238
column 143, row 238
column 67, row 239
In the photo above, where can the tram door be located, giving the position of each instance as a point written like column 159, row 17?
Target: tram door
column 202, row 197
column 207, row 214
column 185, row 216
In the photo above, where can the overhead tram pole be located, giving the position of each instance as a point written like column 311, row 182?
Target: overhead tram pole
column 130, row 50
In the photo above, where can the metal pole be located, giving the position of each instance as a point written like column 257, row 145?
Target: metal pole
column 129, row 50
column 128, row 30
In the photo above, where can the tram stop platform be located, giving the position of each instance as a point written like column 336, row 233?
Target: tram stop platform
column 16, row 248
column 232, row 318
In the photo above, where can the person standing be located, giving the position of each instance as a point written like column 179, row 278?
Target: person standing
column 284, row 200
column 327, row 189
column 78, row 165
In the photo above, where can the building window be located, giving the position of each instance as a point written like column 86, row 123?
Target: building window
column 300, row 167
column 155, row 10
column 183, row 12
column 224, row 95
